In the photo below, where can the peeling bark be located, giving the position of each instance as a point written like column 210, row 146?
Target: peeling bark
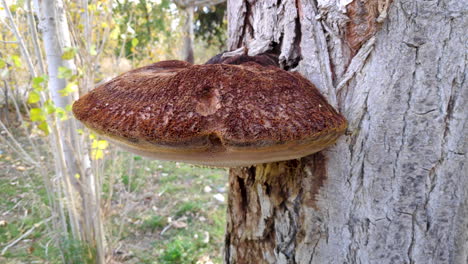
column 263, row 196
column 394, row 189
column 365, row 18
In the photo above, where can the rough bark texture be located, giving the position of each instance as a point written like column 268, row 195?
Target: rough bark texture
column 394, row 189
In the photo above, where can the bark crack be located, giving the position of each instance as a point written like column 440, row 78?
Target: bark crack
column 297, row 38
column 356, row 131
column 413, row 238
column 357, row 190
column 313, row 251
column 432, row 175
column 243, row 196
column 247, row 26
column 405, row 114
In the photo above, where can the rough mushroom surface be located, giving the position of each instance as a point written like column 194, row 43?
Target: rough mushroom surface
column 217, row 114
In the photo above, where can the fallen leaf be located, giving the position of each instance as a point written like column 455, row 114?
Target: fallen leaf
column 204, row 260
column 207, row 189
column 179, row 224
column 206, row 239
column 219, row 197
column 31, row 250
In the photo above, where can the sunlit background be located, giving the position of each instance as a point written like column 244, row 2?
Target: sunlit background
column 119, row 207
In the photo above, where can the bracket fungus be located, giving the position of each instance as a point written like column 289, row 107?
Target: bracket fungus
column 218, row 114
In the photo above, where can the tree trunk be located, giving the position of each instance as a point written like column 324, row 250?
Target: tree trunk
column 188, row 34
column 73, row 168
column 188, row 8
column 394, row 188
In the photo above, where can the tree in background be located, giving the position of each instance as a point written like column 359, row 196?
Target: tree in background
column 147, row 29
column 81, row 189
column 394, row 188
column 210, row 25
column 74, row 192
column 188, row 8
column 51, row 51
column 142, row 25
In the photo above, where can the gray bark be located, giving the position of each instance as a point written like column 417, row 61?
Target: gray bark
column 77, row 182
column 394, row 188
column 188, row 35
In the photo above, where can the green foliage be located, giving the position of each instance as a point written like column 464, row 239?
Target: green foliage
column 190, row 207
column 210, row 25
column 16, row 60
column 49, row 107
column 139, row 23
column 180, row 250
column 38, row 83
column 76, row 252
column 24, row 204
column 144, row 26
column 37, row 115
column 92, row 50
column 33, row 97
column 62, row 114
column 44, row 127
column 42, row 108
column 154, row 222
column 70, row 88
column 64, row 72
column 69, row 53
column 97, row 147
column 135, row 42
column 130, row 184
column 148, row 31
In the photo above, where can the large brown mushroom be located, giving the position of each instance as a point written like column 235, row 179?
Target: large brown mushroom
column 218, row 114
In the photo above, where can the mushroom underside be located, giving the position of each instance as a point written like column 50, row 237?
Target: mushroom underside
column 210, row 150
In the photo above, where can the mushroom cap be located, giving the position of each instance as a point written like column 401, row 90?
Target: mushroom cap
column 218, row 115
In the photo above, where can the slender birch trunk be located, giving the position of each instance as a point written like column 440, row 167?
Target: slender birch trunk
column 71, row 158
column 188, row 34
column 394, row 188
column 188, row 8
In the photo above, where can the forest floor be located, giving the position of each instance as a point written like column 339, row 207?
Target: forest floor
column 154, row 212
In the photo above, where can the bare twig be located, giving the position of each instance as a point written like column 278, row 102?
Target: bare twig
column 17, row 146
column 13, row 208
column 165, row 229
column 122, row 48
column 20, row 39
column 27, row 233
column 197, row 3
column 9, row 42
column 34, row 37
column 20, row 117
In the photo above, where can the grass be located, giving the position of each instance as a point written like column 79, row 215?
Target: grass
column 189, row 208
column 159, row 212
column 154, row 222
column 172, row 219
column 23, row 204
